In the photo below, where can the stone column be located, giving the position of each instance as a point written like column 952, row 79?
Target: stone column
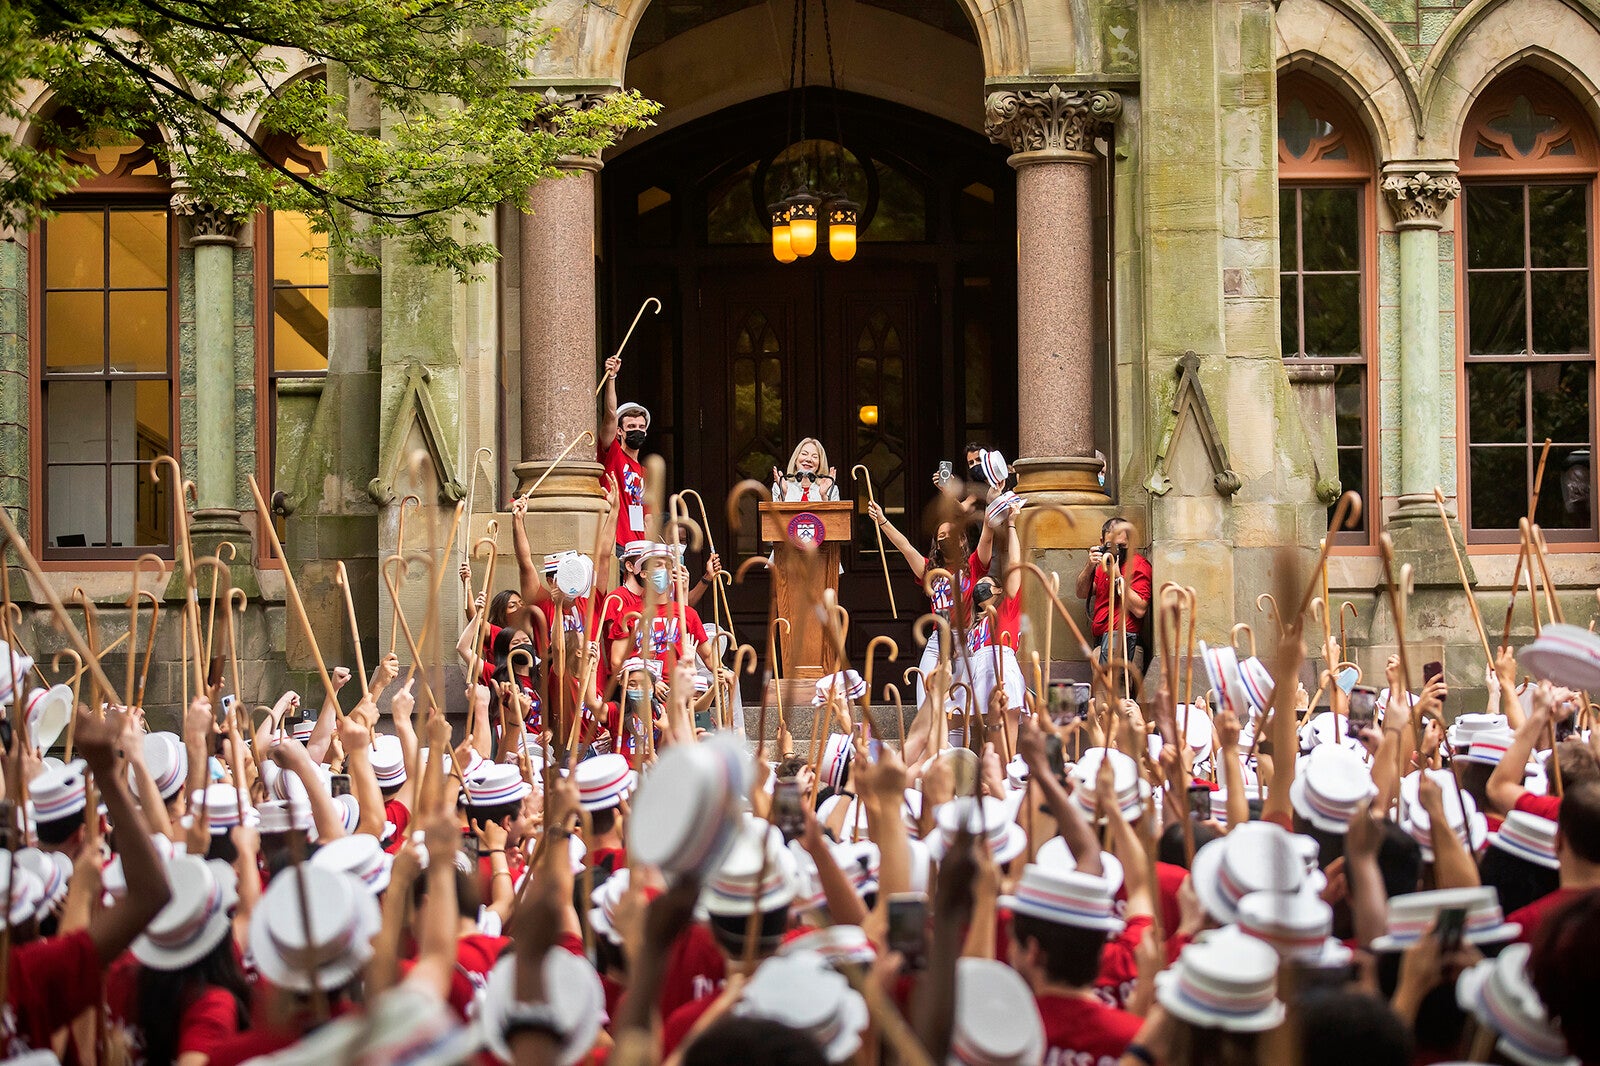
column 557, row 307
column 1051, row 133
column 1420, row 194
column 214, row 235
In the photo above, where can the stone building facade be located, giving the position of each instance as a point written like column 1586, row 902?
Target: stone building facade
column 1245, row 252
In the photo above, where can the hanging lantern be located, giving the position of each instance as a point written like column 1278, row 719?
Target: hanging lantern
column 842, row 216
column 782, row 250
column 803, row 210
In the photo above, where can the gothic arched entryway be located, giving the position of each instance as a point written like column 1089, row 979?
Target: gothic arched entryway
column 751, row 355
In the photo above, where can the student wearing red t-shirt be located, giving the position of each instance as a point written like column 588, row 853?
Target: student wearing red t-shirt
column 476, row 953
column 992, row 637
column 1124, row 606
column 622, row 433
column 52, row 981
column 1577, row 848
column 1505, row 789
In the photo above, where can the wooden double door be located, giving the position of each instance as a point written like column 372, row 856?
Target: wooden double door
column 845, row 355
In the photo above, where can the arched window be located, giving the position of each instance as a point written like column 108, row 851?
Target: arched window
column 1528, row 164
column 1324, row 224
column 102, row 270
column 294, row 289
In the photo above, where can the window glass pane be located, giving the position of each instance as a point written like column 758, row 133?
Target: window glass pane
column 1561, row 402
column 1495, row 314
column 1349, row 404
column 300, row 330
column 1288, row 221
column 1330, row 230
column 1289, row 301
column 1499, row 487
column 1558, row 220
column 1494, row 226
column 75, row 514
column 902, row 212
column 891, row 417
column 744, row 401
column 1333, row 314
column 139, row 331
column 1560, row 311
column 74, row 331
column 133, row 510
column 771, row 399
column 291, row 240
column 1353, row 476
column 1496, row 404
column 138, row 249
column 1566, row 501
column 74, row 250
column 152, row 413
column 732, row 216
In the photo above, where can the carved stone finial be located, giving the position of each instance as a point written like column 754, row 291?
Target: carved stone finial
column 1050, row 120
column 212, row 225
column 558, row 106
column 1420, row 197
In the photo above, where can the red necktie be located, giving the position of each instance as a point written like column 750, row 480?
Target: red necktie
column 805, row 493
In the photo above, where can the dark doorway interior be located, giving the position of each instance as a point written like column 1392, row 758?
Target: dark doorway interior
column 750, row 355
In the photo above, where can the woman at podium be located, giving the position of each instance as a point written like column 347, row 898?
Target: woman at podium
column 809, row 477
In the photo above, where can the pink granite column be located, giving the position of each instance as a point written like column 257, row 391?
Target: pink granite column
column 558, row 332
column 1051, row 133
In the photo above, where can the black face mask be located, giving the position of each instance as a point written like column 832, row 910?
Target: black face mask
column 975, row 473
column 634, row 439
column 982, row 595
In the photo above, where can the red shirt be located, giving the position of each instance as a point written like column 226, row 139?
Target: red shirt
column 1136, row 574
column 210, row 1016
column 395, row 811
column 629, row 473
column 666, row 642
column 1079, row 1031
column 695, row 969
column 52, row 982
column 1544, row 806
column 678, row 1024
column 618, row 604
column 1168, row 878
column 1533, row 915
column 1119, row 970
column 943, row 600
column 476, row 955
column 1009, row 614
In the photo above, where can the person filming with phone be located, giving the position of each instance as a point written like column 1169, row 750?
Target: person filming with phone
column 1117, row 602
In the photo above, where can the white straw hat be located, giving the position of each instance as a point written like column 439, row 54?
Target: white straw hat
column 168, row 762
column 1528, row 837
column 986, row 819
column 572, row 991
column 685, row 812
column 1329, row 784
column 1226, row 981
column 27, row 891
column 758, row 874
column 388, row 761
column 361, row 856
column 997, row 1019
column 604, row 781
column 1064, row 897
column 1254, row 857
column 1414, row 914
column 1054, row 854
column 54, row 871
column 1499, row 994
column 1566, row 654
column 197, row 917
column 1297, row 925
column 801, row 990
column 1130, row 786
column 1466, row 821
column 342, row 921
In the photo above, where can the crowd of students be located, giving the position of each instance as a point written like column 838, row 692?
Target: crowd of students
column 600, row 865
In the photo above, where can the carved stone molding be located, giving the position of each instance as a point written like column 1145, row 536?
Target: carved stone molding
column 1420, row 196
column 211, row 225
column 1050, row 120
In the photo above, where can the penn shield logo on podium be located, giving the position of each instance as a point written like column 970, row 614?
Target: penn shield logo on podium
column 805, row 530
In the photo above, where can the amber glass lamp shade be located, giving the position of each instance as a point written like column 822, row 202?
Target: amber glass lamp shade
column 803, row 212
column 842, row 217
column 782, row 250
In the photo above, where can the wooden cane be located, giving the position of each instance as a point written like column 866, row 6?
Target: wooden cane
column 400, row 549
column 295, row 602
column 775, row 664
column 472, row 492
column 648, row 300
column 1277, row 619
column 877, row 528
column 564, row 453
column 1552, row 605
column 1346, row 513
column 1516, row 574
column 1461, row 572
column 341, row 577
column 180, row 521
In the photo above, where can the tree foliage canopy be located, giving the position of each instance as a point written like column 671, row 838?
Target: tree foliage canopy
column 423, row 115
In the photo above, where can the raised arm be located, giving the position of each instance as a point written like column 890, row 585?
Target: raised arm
column 1505, row 784
column 1073, row 827
column 531, row 588
column 114, row 928
column 901, row 542
column 608, row 408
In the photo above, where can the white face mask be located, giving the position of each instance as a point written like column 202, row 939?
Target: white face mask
column 661, row 579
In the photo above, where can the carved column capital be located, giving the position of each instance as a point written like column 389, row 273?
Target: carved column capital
column 1420, row 194
column 210, row 224
column 559, row 108
column 1053, row 120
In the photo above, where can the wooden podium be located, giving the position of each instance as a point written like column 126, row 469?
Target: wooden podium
column 800, row 575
